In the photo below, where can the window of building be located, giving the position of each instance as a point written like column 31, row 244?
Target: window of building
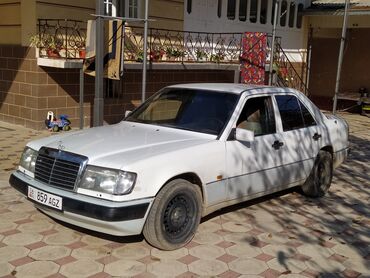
column 273, row 11
column 258, row 116
column 121, row 9
column 133, row 8
column 253, row 11
column 219, row 8
column 243, row 10
column 292, row 14
column 283, row 12
column 263, row 12
column 189, row 6
column 299, row 15
column 108, row 7
column 231, row 9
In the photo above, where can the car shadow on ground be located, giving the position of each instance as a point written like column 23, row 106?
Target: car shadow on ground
column 338, row 218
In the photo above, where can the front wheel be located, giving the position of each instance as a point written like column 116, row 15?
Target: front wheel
column 319, row 180
column 174, row 216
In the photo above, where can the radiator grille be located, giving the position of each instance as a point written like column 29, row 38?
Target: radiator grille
column 56, row 172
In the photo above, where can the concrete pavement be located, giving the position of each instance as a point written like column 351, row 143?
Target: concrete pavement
column 286, row 235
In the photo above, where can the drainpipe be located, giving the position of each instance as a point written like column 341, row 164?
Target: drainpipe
column 272, row 50
column 340, row 58
column 99, row 56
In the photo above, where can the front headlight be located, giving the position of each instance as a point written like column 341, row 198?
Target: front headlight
column 28, row 160
column 111, row 181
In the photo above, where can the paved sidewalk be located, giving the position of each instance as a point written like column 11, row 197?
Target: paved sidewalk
column 285, row 236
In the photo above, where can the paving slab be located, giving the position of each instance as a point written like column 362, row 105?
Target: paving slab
column 285, row 235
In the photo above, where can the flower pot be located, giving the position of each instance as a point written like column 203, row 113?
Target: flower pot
column 82, row 53
column 52, row 53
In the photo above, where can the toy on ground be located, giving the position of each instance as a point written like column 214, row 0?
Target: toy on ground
column 54, row 124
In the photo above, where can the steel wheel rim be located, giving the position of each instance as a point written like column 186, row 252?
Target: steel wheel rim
column 178, row 217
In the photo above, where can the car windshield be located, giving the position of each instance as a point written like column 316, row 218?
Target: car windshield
column 190, row 109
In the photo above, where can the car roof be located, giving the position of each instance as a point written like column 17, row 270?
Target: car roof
column 235, row 88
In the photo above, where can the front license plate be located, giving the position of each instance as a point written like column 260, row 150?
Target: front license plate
column 44, row 198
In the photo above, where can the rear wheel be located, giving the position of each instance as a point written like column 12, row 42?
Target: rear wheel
column 319, row 180
column 174, row 216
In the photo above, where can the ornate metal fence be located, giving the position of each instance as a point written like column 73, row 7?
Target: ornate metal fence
column 61, row 38
column 182, row 46
column 287, row 75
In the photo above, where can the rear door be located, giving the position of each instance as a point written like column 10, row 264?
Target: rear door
column 300, row 135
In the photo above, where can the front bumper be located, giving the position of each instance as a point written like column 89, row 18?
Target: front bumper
column 115, row 218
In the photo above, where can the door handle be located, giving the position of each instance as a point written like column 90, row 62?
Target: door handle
column 316, row 136
column 277, row 145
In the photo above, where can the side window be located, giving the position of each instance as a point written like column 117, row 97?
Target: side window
column 253, row 11
column 243, row 10
column 133, row 8
column 258, row 116
column 290, row 112
column 307, row 117
column 263, row 12
column 189, row 6
column 299, row 16
column 219, row 8
column 283, row 12
column 231, row 5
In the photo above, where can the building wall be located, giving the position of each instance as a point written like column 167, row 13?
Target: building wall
column 168, row 14
column 70, row 9
column 10, row 22
column 204, row 17
column 28, row 92
column 325, row 51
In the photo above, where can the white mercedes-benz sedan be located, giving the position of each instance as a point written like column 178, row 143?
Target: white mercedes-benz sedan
column 187, row 151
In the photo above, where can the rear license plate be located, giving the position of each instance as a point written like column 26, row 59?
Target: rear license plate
column 45, row 198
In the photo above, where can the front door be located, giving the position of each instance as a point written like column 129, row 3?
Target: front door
column 252, row 166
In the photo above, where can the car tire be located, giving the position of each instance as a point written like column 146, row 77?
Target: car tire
column 174, row 216
column 319, row 180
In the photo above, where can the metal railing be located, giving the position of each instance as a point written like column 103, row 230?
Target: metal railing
column 61, row 38
column 287, row 75
column 182, row 46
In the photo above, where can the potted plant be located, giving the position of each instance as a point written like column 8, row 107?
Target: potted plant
column 140, row 56
column 170, row 53
column 156, row 54
column 218, row 57
column 82, row 49
column 201, row 55
column 178, row 54
column 47, row 42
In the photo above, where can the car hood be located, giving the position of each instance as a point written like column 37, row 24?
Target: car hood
column 124, row 143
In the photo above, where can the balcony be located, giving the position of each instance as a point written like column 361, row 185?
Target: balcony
column 169, row 46
column 60, row 43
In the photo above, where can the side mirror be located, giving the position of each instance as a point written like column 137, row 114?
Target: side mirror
column 127, row 112
column 245, row 135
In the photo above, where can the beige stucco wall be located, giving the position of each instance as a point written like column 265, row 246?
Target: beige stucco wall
column 168, row 14
column 70, row 9
column 325, row 21
column 355, row 66
column 10, row 22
